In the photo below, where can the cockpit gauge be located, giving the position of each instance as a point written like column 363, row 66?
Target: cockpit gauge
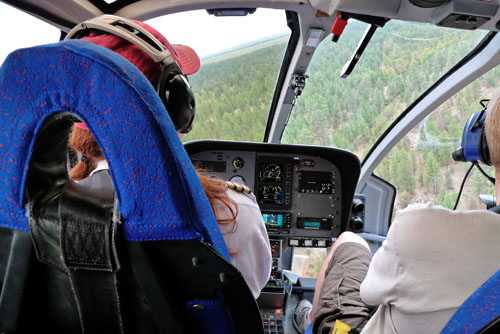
column 270, row 194
column 271, row 172
column 238, row 163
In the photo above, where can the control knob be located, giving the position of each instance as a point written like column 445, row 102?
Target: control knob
column 357, row 206
column 356, row 224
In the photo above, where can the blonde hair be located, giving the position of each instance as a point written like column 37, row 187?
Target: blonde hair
column 492, row 129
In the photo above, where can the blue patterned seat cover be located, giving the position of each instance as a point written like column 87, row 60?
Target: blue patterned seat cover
column 480, row 309
column 159, row 193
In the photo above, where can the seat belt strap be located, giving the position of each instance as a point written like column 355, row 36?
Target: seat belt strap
column 87, row 236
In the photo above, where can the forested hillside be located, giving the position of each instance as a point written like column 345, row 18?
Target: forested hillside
column 234, row 91
column 399, row 64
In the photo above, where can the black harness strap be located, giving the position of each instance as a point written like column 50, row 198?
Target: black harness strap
column 88, row 235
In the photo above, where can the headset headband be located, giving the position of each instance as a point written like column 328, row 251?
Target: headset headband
column 133, row 33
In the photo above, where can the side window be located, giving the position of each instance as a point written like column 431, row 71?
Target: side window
column 421, row 167
column 21, row 30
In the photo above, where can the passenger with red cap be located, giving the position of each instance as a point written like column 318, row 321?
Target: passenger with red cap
column 237, row 214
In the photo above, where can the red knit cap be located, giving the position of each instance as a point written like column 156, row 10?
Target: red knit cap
column 186, row 57
column 188, row 60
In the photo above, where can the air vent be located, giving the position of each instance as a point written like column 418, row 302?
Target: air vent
column 427, row 3
column 464, row 14
column 459, row 21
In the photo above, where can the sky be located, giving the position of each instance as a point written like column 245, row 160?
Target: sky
column 208, row 34
column 204, row 33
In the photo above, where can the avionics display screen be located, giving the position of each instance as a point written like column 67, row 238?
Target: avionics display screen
column 314, row 225
column 270, row 194
column 273, row 220
column 316, row 182
column 271, row 172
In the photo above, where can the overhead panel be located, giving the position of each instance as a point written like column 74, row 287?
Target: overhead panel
column 458, row 14
column 427, row 3
column 388, row 8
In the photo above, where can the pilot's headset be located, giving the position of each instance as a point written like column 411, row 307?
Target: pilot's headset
column 171, row 84
column 474, row 146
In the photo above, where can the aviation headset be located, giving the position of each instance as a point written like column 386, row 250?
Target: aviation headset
column 474, row 146
column 171, row 84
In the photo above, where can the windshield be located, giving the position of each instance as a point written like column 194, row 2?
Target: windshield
column 240, row 62
column 399, row 64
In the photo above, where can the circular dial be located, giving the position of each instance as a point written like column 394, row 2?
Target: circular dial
column 272, row 172
column 238, row 163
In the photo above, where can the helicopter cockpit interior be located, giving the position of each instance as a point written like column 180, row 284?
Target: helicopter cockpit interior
column 334, row 113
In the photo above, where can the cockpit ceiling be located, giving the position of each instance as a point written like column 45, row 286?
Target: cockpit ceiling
column 463, row 14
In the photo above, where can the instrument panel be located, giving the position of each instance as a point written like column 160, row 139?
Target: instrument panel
column 304, row 192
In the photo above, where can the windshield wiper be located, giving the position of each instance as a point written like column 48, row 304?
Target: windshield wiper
column 374, row 22
column 349, row 66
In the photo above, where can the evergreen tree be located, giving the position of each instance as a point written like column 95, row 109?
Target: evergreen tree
column 433, row 178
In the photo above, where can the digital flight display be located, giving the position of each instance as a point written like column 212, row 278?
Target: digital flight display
column 271, row 172
column 270, row 194
column 273, row 220
column 273, row 183
column 314, row 225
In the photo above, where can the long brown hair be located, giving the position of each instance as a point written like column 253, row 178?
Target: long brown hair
column 83, row 142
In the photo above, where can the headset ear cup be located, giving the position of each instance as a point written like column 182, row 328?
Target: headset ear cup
column 178, row 98
column 161, row 87
column 181, row 102
column 484, row 151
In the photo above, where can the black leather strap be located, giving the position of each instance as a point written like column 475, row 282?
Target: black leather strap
column 87, row 236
